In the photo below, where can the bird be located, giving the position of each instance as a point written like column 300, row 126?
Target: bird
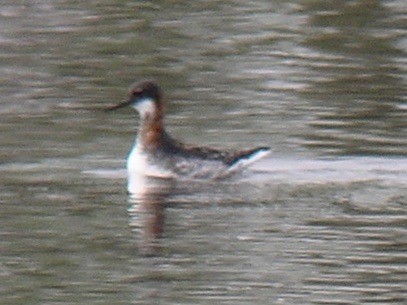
column 156, row 153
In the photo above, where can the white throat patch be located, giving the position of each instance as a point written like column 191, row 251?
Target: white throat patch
column 145, row 107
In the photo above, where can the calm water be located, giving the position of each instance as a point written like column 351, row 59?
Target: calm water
column 323, row 220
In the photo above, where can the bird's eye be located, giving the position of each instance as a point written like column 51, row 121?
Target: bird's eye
column 135, row 93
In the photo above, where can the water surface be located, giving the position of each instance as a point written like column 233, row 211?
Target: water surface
column 321, row 221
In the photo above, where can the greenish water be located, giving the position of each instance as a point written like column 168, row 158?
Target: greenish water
column 321, row 221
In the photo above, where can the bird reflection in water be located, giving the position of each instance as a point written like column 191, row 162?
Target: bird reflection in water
column 147, row 211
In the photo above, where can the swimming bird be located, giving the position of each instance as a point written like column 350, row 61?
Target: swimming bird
column 155, row 153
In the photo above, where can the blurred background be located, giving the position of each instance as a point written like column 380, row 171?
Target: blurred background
column 321, row 82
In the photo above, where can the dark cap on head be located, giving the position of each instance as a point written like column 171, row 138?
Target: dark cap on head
column 144, row 90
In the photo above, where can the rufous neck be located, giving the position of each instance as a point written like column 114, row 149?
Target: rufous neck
column 151, row 130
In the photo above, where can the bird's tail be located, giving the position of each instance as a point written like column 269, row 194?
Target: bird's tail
column 245, row 158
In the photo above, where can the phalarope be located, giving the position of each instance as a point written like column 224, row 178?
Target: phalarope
column 156, row 153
